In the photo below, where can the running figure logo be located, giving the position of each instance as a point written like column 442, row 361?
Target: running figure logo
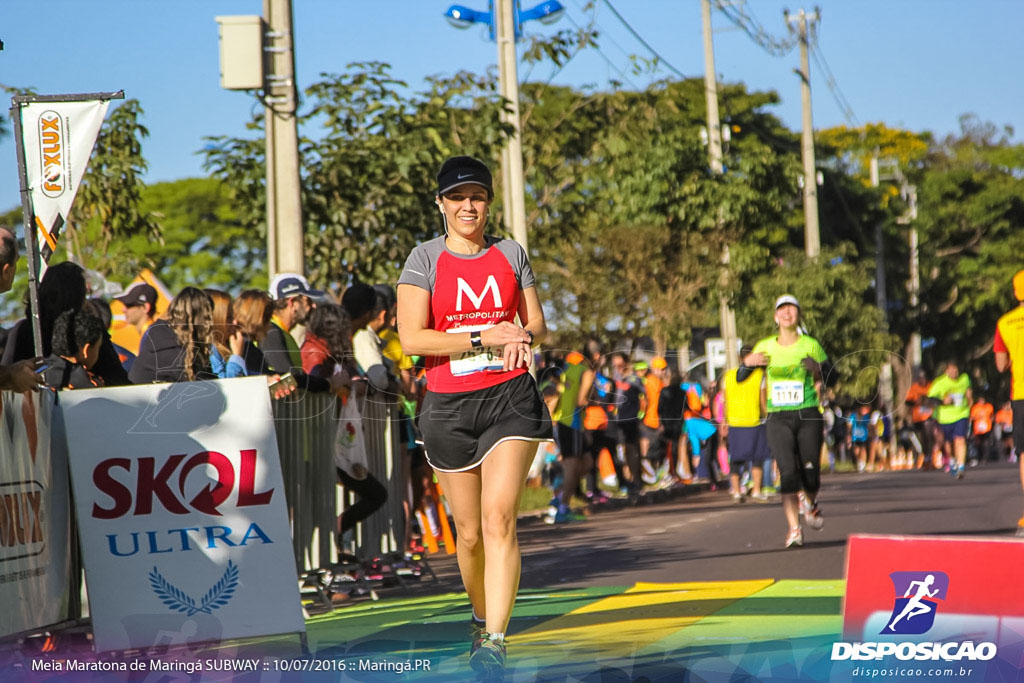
column 917, row 596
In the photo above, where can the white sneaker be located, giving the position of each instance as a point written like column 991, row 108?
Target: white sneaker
column 811, row 513
column 795, row 537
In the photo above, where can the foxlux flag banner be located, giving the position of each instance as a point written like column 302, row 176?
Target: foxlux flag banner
column 181, row 513
column 58, row 139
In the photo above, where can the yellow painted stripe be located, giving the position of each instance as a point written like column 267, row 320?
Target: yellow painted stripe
column 795, row 608
column 623, row 625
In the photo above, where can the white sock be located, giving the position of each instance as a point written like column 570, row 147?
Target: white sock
column 477, row 619
column 498, row 637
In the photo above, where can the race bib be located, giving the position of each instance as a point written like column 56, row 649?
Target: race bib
column 957, row 399
column 475, row 360
column 787, row 393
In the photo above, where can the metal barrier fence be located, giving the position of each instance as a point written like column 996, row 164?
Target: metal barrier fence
column 306, row 430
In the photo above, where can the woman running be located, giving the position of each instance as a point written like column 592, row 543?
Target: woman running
column 458, row 298
column 793, row 362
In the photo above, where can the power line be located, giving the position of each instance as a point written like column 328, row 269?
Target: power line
column 738, row 14
column 643, row 42
column 603, row 56
column 606, row 34
column 833, row 86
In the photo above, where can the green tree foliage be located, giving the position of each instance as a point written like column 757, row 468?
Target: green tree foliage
column 111, row 191
column 830, row 290
column 202, row 241
column 621, row 179
column 205, row 244
column 972, row 236
column 368, row 176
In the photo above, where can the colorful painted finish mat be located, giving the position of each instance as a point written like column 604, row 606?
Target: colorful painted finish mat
column 704, row 630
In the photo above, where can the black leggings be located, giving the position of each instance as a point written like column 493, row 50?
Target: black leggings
column 371, row 493
column 794, row 437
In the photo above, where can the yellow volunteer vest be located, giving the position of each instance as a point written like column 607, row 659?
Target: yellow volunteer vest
column 743, row 399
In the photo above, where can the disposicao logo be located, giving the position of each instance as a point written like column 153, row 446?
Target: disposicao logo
column 917, row 600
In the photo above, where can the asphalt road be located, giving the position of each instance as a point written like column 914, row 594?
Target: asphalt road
column 703, row 536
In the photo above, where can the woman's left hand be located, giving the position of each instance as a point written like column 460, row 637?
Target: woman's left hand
column 812, row 366
column 517, row 355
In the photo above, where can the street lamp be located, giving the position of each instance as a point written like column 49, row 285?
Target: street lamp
column 547, row 12
column 504, row 26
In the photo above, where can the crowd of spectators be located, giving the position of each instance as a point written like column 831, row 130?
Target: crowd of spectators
column 301, row 339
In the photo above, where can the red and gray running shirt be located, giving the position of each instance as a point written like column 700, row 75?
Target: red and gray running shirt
column 468, row 293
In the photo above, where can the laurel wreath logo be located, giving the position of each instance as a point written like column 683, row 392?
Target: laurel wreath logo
column 178, row 600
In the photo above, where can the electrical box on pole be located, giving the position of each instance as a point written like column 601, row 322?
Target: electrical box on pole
column 241, row 52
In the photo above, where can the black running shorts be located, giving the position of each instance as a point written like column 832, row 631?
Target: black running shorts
column 461, row 429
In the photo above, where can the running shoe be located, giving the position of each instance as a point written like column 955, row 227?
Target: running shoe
column 958, row 472
column 795, row 537
column 563, row 515
column 477, row 634
column 737, row 498
column 647, row 473
column 1020, row 528
column 760, row 497
column 811, row 513
column 488, row 659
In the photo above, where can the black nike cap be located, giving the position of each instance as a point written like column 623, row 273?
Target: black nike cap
column 461, row 170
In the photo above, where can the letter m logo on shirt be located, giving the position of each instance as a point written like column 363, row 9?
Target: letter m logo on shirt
column 464, row 288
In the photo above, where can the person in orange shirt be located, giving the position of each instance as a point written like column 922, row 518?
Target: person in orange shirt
column 921, row 415
column 982, row 414
column 650, row 427
column 1009, row 350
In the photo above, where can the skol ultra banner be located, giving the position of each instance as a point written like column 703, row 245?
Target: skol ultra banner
column 58, row 139
column 34, row 515
column 181, row 513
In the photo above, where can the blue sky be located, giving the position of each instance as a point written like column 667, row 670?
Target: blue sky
column 917, row 64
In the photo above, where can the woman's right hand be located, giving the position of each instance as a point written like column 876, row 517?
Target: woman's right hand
column 278, row 389
column 504, row 333
column 237, row 342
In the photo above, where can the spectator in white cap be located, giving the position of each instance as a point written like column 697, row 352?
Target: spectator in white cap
column 293, row 301
column 139, row 306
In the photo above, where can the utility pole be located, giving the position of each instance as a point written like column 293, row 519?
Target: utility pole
column 285, row 252
column 909, row 192
column 512, row 156
column 880, row 288
column 812, row 238
column 885, row 376
column 915, row 288
column 727, row 318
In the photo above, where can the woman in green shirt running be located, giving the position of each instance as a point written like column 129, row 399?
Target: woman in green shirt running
column 793, row 378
